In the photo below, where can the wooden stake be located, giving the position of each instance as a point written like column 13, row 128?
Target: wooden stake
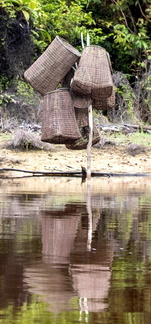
column 90, row 117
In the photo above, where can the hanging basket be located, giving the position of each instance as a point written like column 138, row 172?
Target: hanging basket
column 59, row 124
column 104, row 103
column 83, row 124
column 93, row 76
column 49, row 69
column 80, row 101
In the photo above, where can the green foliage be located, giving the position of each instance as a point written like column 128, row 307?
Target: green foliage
column 67, row 20
column 27, row 7
column 25, row 90
column 36, row 312
column 122, row 27
column 127, row 96
column 138, row 138
column 5, row 99
column 4, row 83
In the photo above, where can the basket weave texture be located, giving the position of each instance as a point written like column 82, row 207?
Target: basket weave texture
column 82, row 121
column 104, row 103
column 59, row 124
column 49, row 69
column 93, row 76
column 80, row 101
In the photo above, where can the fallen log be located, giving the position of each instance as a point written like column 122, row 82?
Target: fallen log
column 73, row 173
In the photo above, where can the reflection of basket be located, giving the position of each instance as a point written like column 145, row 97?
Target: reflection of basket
column 93, row 76
column 48, row 70
column 59, row 124
column 104, row 103
column 82, row 121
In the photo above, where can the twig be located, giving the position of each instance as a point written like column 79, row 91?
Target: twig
column 141, row 10
column 126, row 23
column 82, row 42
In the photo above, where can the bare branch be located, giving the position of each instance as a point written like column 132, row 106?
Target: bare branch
column 126, row 23
column 141, row 10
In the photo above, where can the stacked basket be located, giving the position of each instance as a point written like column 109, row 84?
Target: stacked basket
column 65, row 110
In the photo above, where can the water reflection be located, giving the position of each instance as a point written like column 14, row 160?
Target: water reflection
column 69, row 257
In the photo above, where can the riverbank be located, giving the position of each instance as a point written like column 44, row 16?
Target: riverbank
column 110, row 158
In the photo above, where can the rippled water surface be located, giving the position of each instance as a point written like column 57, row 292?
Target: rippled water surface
column 70, row 253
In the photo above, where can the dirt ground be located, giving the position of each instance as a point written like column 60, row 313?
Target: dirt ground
column 112, row 159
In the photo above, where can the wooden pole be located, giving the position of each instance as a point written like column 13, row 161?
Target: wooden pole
column 90, row 118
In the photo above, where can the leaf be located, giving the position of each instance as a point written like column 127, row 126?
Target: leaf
column 26, row 15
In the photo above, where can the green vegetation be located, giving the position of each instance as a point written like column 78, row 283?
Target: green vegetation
column 138, row 138
column 122, row 27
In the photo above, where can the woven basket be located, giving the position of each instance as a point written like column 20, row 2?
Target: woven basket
column 104, row 103
column 82, row 121
column 93, row 76
column 80, row 101
column 59, row 124
column 49, row 69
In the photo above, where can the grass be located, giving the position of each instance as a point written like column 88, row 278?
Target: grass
column 138, row 138
column 119, row 138
column 5, row 137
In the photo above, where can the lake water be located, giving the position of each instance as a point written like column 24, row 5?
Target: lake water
column 72, row 253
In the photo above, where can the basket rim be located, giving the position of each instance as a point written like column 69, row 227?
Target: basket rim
column 95, row 46
column 57, row 90
column 64, row 42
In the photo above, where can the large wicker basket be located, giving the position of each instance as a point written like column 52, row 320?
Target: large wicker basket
column 49, row 69
column 104, row 103
column 59, row 124
column 82, row 121
column 93, row 76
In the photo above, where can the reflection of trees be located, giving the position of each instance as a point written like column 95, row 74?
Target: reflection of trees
column 18, row 244
column 57, row 265
column 130, row 281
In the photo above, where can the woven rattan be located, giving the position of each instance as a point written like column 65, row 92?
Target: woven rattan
column 104, row 103
column 93, row 76
column 50, row 68
column 82, row 121
column 80, row 101
column 59, row 125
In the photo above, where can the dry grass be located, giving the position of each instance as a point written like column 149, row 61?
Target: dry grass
column 134, row 149
column 25, row 140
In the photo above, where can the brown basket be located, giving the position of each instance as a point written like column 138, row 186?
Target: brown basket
column 82, row 121
column 80, row 101
column 59, row 124
column 49, row 69
column 104, row 103
column 93, row 76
